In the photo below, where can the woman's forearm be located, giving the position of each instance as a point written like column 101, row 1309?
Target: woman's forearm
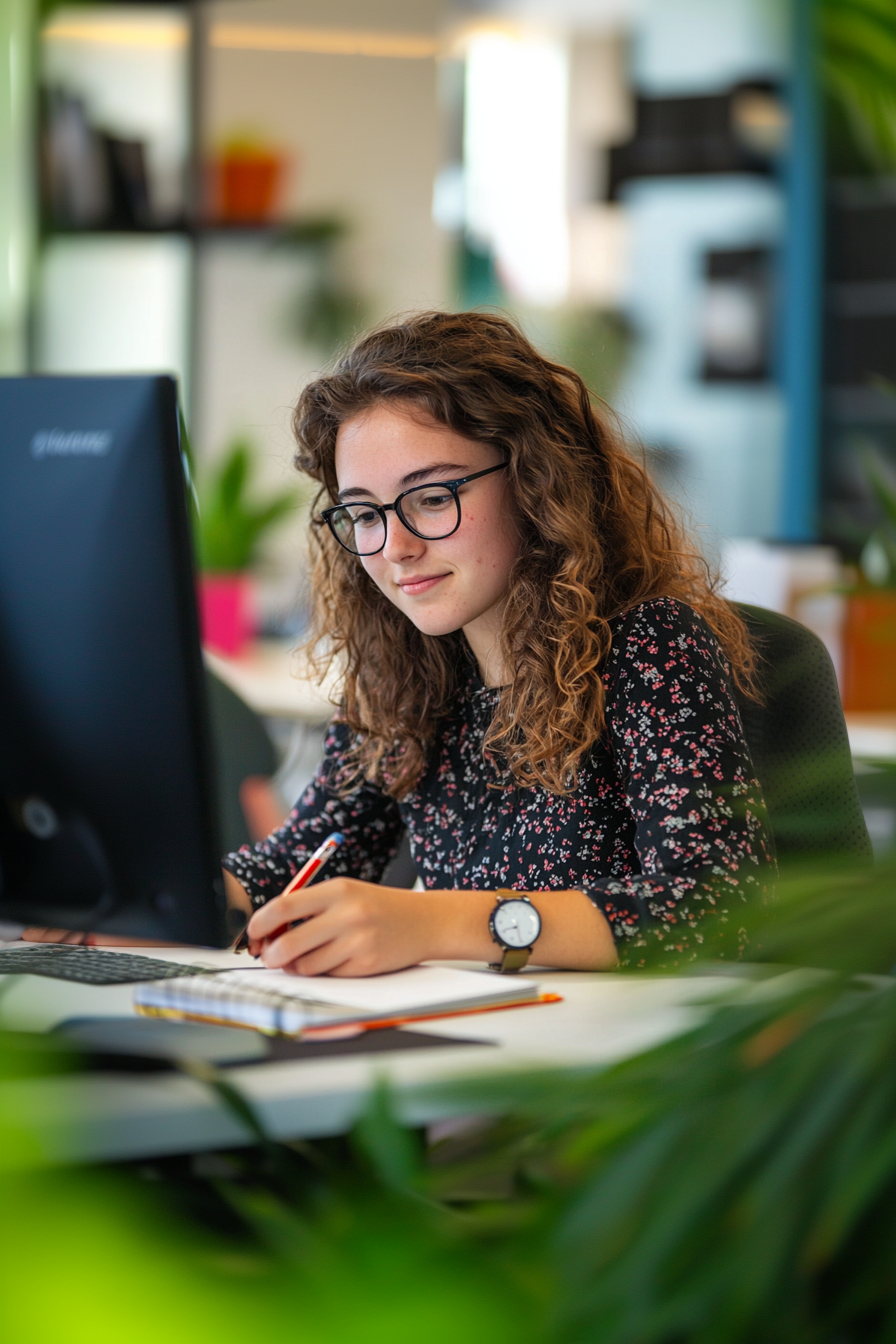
column 346, row 927
column 237, row 896
column 574, row 934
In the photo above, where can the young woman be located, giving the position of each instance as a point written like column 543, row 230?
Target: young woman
column 538, row 678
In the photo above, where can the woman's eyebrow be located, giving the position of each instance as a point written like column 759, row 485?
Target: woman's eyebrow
column 446, row 470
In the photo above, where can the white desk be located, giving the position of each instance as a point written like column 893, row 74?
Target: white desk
column 872, row 736
column 275, row 682
column 105, row 1117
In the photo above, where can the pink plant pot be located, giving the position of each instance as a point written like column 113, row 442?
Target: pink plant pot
column 225, row 612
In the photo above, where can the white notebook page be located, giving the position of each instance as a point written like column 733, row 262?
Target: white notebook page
column 398, row 992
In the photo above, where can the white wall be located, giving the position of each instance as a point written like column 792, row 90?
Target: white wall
column 114, row 304
column 699, row 46
column 364, row 137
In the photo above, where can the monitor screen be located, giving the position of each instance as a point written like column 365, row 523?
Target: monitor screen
column 107, row 820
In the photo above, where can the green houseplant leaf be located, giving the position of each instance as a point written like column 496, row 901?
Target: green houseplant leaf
column 232, row 525
column 858, row 66
column 878, row 558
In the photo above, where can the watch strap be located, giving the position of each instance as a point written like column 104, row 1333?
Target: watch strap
column 513, row 960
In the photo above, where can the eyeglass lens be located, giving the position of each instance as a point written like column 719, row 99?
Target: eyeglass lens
column 432, row 511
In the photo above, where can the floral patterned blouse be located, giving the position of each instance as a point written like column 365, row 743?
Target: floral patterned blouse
column 666, row 825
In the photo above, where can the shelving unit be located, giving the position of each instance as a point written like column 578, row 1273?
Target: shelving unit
column 117, row 146
column 861, row 346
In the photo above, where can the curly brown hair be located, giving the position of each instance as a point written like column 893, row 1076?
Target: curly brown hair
column 597, row 539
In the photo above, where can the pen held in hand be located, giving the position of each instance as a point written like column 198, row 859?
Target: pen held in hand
column 312, row 867
column 306, row 874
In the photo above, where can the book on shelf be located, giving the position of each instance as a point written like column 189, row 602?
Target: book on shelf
column 303, row 1005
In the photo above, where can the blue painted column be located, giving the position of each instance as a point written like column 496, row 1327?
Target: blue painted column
column 802, row 275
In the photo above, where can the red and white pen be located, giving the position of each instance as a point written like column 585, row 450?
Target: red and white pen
column 308, row 870
column 312, row 867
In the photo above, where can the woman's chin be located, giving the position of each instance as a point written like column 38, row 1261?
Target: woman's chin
column 434, row 623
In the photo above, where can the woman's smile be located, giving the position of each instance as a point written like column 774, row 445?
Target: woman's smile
column 420, row 583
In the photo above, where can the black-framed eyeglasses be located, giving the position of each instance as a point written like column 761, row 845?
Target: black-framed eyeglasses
column 431, row 512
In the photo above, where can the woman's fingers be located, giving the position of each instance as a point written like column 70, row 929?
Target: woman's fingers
column 330, row 959
column 346, row 927
column 294, row 943
column 41, row 935
column 297, row 905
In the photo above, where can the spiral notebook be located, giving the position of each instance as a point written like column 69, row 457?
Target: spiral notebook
column 302, row 1005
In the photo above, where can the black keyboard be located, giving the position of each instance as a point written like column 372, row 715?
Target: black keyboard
column 91, row 965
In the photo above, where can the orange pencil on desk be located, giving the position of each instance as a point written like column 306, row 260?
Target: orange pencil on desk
column 309, row 870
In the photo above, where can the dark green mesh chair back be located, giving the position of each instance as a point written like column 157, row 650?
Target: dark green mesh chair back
column 800, row 747
column 242, row 747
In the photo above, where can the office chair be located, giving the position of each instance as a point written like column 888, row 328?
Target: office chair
column 799, row 745
column 243, row 752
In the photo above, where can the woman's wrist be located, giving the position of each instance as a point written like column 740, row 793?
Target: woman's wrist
column 236, row 894
column 459, row 925
column 575, row 935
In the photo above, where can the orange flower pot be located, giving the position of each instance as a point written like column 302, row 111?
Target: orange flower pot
column 248, row 185
column 869, row 653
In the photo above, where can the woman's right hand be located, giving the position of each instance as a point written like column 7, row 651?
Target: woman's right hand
column 82, row 939
column 40, row 935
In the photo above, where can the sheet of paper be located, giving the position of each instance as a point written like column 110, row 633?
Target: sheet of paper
column 398, row 992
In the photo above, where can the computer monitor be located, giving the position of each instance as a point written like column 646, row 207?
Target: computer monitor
column 107, row 818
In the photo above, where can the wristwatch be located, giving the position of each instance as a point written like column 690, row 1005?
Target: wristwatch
column 514, row 925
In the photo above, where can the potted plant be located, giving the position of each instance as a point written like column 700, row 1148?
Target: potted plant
column 869, row 660
column 249, row 175
column 230, row 529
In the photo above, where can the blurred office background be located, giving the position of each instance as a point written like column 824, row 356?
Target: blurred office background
column 691, row 201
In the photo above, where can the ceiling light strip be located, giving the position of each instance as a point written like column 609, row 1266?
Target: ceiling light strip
column 323, row 41
column 117, row 34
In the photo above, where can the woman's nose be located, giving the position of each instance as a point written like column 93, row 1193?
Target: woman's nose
column 401, row 542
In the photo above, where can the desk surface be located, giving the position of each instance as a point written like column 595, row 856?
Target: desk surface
column 274, row 681
column 872, row 736
column 107, row 1117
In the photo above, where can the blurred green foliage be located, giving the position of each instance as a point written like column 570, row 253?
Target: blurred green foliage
column 329, row 311
column 858, row 67
column 323, row 1244
column 878, row 558
column 596, row 342
column 230, row 523
column 734, row 1184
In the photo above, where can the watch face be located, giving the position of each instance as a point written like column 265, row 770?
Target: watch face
column 517, row 923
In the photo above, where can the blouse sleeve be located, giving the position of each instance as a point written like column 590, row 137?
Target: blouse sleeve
column 701, row 830
column 368, row 818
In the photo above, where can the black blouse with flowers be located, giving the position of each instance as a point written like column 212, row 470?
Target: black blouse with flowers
column 666, row 825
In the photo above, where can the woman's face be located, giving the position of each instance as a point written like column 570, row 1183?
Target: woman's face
column 457, row 583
